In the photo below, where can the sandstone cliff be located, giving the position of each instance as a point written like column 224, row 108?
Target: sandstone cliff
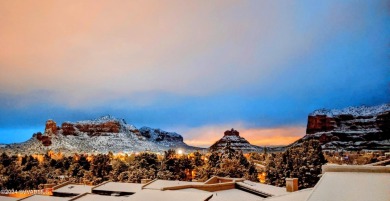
column 351, row 128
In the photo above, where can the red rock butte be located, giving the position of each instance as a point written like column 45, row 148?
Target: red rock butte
column 231, row 132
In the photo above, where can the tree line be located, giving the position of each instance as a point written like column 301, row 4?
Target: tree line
column 28, row 172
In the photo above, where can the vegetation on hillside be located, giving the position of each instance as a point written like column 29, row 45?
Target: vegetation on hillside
column 31, row 172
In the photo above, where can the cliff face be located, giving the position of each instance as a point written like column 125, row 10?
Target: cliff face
column 236, row 142
column 158, row 135
column 320, row 123
column 383, row 122
column 354, row 127
column 99, row 129
column 51, row 127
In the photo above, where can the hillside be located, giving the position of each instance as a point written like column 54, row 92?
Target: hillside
column 100, row 135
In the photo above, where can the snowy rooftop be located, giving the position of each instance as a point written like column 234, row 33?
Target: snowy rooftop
column 119, row 187
column 95, row 197
column 4, row 198
column 44, row 198
column 169, row 196
column 227, row 195
column 295, row 196
column 159, row 184
column 74, row 189
column 355, row 111
column 234, row 194
column 353, row 182
column 264, row 188
column 357, row 186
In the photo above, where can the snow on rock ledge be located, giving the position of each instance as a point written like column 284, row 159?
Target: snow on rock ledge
column 358, row 127
column 100, row 135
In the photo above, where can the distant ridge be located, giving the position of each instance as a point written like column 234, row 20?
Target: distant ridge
column 100, row 135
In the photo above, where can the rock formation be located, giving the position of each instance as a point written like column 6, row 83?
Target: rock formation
column 99, row 129
column 159, row 135
column 51, row 127
column 100, row 135
column 236, row 142
column 351, row 128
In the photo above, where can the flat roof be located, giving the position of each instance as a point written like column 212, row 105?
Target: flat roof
column 233, row 195
column 301, row 195
column 95, row 197
column 355, row 168
column 357, row 186
column 169, row 195
column 44, row 198
column 264, row 188
column 120, row 187
column 227, row 195
column 159, row 184
column 6, row 198
column 74, row 189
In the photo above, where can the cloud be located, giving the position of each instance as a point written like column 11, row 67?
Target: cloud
column 83, row 52
column 182, row 64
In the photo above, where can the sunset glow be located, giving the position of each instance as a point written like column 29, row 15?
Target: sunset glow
column 262, row 137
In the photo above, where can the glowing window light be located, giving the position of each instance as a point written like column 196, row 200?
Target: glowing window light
column 180, row 152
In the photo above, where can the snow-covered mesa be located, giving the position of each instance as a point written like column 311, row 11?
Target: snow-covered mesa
column 100, row 135
column 354, row 111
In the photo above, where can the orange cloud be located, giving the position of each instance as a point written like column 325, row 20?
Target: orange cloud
column 207, row 135
column 116, row 49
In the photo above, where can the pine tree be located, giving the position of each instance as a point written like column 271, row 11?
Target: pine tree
column 303, row 162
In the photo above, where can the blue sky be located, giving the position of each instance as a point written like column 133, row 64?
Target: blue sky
column 197, row 68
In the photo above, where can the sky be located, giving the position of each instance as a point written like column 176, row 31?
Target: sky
column 194, row 67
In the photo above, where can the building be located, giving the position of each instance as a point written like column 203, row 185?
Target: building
column 44, row 198
column 346, row 182
column 353, row 182
column 117, row 188
column 68, row 189
column 4, row 198
column 169, row 195
column 338, row 182
column 97, row 197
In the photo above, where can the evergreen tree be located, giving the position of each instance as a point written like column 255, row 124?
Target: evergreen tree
column 5, row 160
column 303, row 162
column 101, row 166
column 229, row 163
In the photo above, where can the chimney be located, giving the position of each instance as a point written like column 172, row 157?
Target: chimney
column 48, row 189
column 291, row 184
column 145, row 181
